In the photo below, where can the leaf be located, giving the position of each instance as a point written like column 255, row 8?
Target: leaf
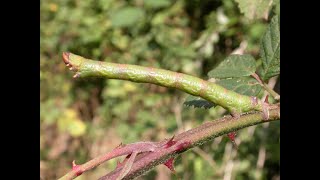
column 156, row 3
column 254, row 9
column 244, row 85
column 234, row 66
column 270, row 50
column 127, row 17
column 198, row 102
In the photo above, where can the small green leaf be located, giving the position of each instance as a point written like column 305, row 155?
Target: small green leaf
column 254, row 9
column 198, row 102
column 234, row 66
column 270, row 50
column 156, row 3
column 127, row 17
column 244, row 85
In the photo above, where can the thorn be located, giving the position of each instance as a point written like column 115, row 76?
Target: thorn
column 170, row 142
column 171, row 139
column 74, row 163
column 67, row 65
column 120, row 145
column 65, row 57
column 71, row 68
column 266, row 100
column 232, row 137
column 76, row 168
column 170, row 164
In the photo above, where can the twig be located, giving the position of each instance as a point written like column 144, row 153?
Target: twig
column 275, row 95
column 194, row 137
column 130, row 149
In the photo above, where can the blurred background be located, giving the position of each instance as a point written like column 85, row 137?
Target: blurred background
column 81, row 119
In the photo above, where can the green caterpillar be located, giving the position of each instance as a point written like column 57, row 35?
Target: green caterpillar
column 210, row 91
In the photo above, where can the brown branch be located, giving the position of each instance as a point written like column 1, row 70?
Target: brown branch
column 192, row 138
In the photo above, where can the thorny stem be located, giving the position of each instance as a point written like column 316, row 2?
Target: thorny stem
column 121, row 150
column 197, row 150
column 275, row 95
column 192, row 138
column 210, row 91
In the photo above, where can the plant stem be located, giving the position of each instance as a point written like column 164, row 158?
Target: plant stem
column 275, row 95
column 192, row 138
column 128, row 149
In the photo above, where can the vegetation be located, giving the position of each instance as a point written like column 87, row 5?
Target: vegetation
column 86, row 117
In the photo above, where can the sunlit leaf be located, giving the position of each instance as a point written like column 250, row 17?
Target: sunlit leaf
column 244, row 85
column 234, row 66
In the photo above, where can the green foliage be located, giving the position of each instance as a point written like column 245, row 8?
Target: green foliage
column 254, row 9
column 234, row 66
column 155, row 4
column 198, row 102
column 270, row 50
column 243, row 85
column 127, row 17
column 191, row 37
